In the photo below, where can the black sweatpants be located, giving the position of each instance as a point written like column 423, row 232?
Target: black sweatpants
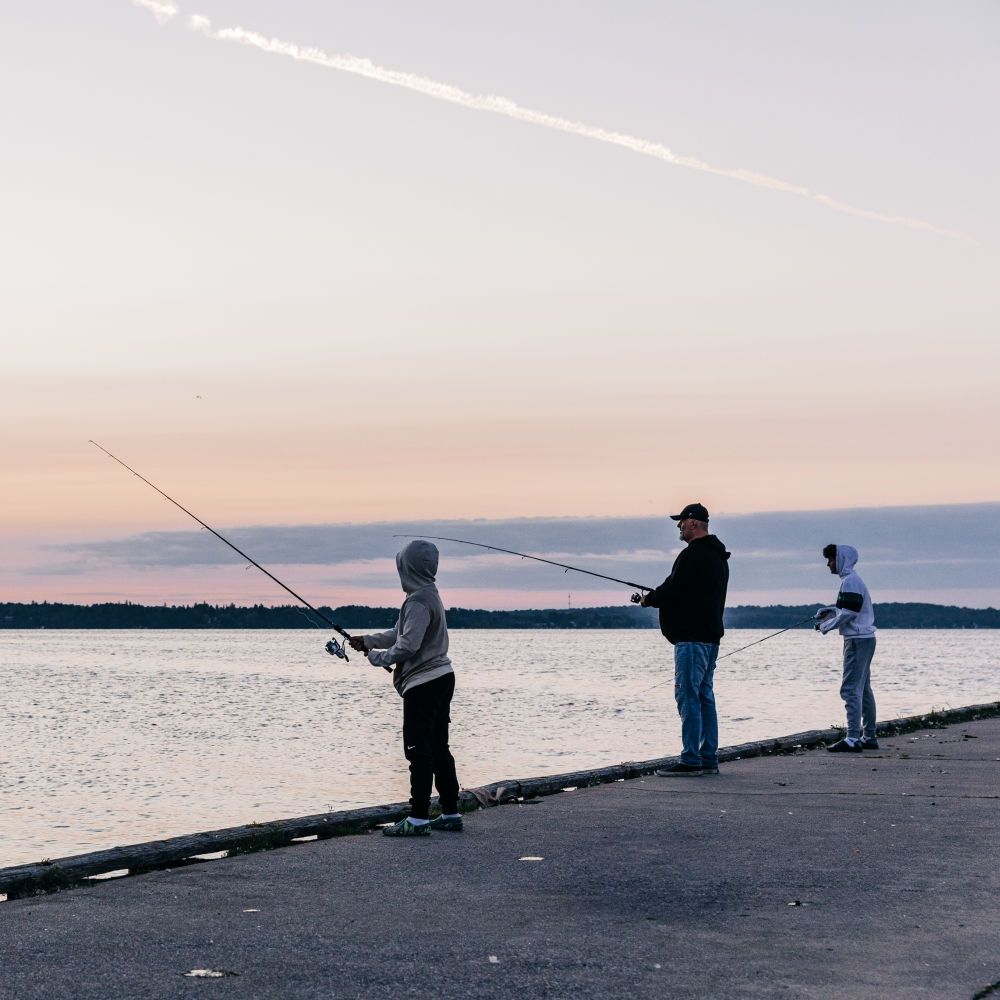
column 425, row 741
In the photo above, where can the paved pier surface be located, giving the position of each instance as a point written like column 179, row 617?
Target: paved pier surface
column 656, row 887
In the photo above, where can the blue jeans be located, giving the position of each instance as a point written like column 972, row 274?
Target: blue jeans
column 856, row 689
column 694, row 668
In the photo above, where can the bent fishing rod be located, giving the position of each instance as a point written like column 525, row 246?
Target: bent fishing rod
column 524, row 555
column 628, row 583
column 333, row 647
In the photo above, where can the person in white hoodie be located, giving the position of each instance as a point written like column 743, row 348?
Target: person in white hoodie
column 854, row 617
column 416, row 651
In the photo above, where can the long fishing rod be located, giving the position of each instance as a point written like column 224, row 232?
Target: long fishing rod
column 524, row 555
column 766, row 637
column 740, row 650
column 333, row 647
column 628, row 583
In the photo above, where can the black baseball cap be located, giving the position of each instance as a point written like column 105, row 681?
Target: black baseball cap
column 694, row 510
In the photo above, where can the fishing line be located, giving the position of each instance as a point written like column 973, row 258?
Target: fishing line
column 524, row 555
column 299, row 611
column 333, row 647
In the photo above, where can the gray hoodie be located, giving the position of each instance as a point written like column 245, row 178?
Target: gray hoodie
column 853, row 614
column 418, row 646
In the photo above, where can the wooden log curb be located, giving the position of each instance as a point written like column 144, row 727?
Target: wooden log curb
column 65, row 873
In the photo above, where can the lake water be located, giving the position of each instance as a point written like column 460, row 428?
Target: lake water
column 117, row 737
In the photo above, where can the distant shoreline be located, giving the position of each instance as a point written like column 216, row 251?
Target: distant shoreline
column 125, row 615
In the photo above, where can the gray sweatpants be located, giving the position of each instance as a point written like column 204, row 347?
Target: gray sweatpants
column 856, row 689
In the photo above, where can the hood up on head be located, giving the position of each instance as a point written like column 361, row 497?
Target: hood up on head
column 847, row 556
column 417, row 565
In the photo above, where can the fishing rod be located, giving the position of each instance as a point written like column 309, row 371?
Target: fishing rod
column 563, row 566
column 740, row 650
column 524, row 555
column 333, row 647
column 766, row 637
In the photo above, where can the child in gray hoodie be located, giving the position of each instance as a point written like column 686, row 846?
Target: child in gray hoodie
column 416, row 650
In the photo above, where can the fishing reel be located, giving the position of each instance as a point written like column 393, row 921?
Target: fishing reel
column 636, row 598
column 334, row 648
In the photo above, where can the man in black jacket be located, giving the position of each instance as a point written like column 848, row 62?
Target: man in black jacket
column 691, row 601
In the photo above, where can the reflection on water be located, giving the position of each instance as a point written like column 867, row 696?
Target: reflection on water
column 123, row 736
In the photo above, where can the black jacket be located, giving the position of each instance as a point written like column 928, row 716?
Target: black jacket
column 692, row 598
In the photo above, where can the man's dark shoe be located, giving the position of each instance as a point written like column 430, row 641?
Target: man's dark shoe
column 844, row 747
column 452, row 824
column 404, row 828
column 709, row 770
column 680, row 771
column 869, row 744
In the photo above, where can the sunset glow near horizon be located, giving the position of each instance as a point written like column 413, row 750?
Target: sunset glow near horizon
column 289, row 295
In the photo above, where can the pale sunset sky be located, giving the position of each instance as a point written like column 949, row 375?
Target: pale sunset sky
column 292, row 289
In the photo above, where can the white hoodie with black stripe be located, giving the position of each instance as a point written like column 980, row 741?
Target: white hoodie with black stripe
column 853, row 614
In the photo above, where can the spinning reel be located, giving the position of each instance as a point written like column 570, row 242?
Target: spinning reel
column 334, row 648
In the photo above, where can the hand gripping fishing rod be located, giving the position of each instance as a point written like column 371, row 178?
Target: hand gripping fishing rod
column 524, row 555
column 333, row 647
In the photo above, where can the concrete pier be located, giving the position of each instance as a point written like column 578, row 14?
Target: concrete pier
column 803, row 875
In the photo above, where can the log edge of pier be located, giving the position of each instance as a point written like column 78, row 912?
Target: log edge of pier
column 51, row 876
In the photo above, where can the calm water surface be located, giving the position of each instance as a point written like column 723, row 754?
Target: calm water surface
column 117, row 737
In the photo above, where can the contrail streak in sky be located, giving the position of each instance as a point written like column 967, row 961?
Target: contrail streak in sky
column 499, row 105
column 503, row 106
column 162, row 11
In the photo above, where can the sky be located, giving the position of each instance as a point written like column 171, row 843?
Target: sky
column 945, row 554
column 295, row 289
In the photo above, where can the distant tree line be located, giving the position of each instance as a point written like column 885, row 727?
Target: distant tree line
column 886, row 616
column 353, row 616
